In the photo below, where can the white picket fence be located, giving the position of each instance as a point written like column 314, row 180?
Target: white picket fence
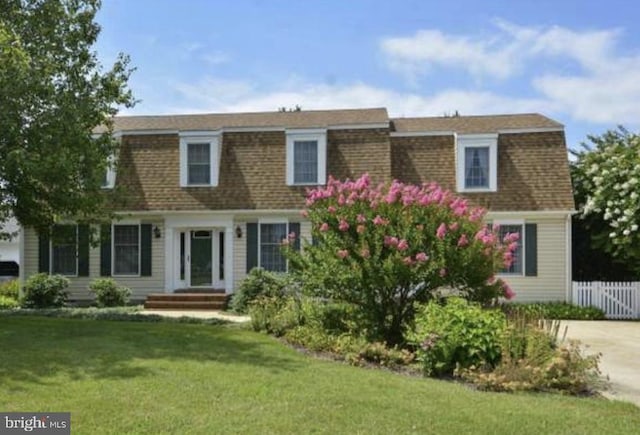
column 619, row 300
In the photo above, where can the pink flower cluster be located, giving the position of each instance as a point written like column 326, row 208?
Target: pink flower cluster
column 349, row 192
column 393, row 242
column 486, row 236
column 291, row 237
column 507, row 291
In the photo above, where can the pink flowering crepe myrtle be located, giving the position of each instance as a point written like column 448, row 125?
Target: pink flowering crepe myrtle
column 355, row 214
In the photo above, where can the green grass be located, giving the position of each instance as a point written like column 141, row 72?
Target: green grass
column 126, row 377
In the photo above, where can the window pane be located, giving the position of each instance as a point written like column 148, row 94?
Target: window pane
column 199, row 163
column 305, row 161
column 271, row 236
column 126, row 249
column 64, row 250
column 476, row 167
column 516, row 266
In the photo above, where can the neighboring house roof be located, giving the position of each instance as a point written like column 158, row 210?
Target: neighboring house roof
column 475, row 124
column 533, row 169
column 214, row 121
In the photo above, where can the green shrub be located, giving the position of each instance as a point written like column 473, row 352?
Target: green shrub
column 355, row 350
column 333, row 317
column 10, row 289
column 534, row 360
column 274, row 314
column 258, row 283
column 8, row 303
column 556, row 310
column 458, row 333
column 386, row 248
column 45, row 291
column 109, row 293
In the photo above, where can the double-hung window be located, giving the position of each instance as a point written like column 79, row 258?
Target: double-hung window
column 64, row 250
column 126, row 249
column 305, row 161
column 199, row 159
column 306, row 157
column 109, row 178
column 271, row 257
column 477, row 163
column 199, row 163
column 264, row 243
column 517, row 264
column 476, row 167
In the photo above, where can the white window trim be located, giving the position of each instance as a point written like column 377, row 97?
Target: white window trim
column 111, row 172
column 270, row 221
column 521, row 242
column 74, row 275
column 212, row 138
column 318, row 135
column 113, row 249
column 477, row 141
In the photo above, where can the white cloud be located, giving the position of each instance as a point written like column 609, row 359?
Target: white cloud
column 500, row 56
column 216, row 95
column 566, row 73
column 430, row 48
column 597, row 85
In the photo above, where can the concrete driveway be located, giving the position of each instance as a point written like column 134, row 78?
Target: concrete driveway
column 619, row 343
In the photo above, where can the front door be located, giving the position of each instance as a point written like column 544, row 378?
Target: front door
column 199, row 258
column 201, row 267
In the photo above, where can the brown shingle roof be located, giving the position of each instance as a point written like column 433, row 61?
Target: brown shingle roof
column 533, row 170
column 474, row 124
column 213, row 121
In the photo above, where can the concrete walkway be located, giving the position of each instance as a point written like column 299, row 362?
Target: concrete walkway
column 199, row 314
column 619, row 344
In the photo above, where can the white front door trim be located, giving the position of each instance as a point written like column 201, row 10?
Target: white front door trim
column 174, row 224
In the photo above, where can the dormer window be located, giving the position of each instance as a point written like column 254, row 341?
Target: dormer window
column 477, row 163
column 199, row 159
column 306, row 157
column 198, row 163
column 109, row 180
column 476, row 167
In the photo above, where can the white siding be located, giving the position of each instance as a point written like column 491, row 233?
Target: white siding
column 551, row 281
column 240, row 256
column 79, row 288
column 305, row 232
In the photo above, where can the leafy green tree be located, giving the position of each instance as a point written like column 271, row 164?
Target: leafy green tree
column 606, row 179
column 386, row 248
column 53, row 94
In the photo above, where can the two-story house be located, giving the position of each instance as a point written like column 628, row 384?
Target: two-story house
column 208, row 197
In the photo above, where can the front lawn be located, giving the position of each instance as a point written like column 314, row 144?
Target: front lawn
column 125, row 377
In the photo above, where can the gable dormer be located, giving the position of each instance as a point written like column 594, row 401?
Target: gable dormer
column 476, row 162
column 199, row 158
column 306, row 157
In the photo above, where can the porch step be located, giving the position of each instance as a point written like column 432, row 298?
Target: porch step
column 186, row 301
column 200, row 290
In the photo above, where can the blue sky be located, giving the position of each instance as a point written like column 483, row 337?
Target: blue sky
column 575, row 61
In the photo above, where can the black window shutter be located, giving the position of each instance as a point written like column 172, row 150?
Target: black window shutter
column 83, row 250
column 105, row 250
column 294, row 227
column 531, row 249
column 252, row 246
column 43, row 253
column 145, row 250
